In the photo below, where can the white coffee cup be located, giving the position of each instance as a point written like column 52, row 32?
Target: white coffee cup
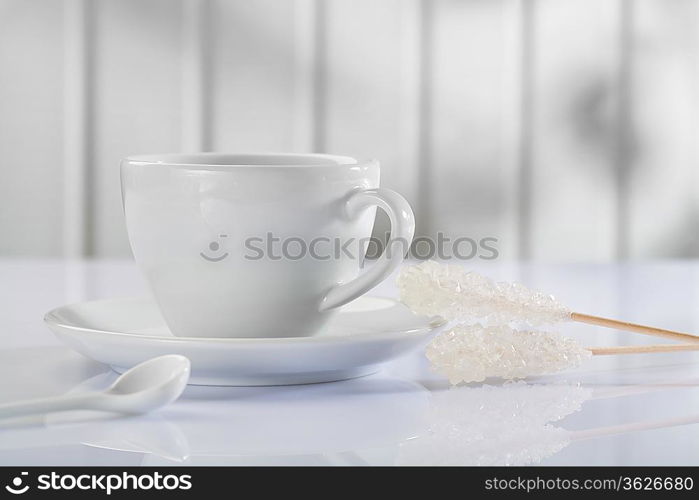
column 220, row 238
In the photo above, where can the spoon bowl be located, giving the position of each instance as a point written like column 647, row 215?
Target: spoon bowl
column 150, row 385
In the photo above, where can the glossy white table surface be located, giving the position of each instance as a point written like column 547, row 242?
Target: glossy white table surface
column 634, row 410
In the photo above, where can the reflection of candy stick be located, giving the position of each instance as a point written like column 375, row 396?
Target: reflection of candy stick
column 510, row 424
column 472, row 353
column 614, row 430
column 494, row 425
column 527, row 446
column 455, row 294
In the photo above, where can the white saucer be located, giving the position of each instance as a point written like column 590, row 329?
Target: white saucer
column 363, row 335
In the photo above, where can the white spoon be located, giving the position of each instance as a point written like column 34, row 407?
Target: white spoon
column 145, row 387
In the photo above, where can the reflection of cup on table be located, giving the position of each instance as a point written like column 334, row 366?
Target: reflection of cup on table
column 202, row 226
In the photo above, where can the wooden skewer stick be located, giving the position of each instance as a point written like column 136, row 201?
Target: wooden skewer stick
column 470, row 299
column 642, row 349
column 633, row 327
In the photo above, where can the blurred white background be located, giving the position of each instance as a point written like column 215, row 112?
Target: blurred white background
column 567, row 129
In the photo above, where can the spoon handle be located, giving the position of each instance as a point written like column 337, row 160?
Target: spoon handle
column 45, row 405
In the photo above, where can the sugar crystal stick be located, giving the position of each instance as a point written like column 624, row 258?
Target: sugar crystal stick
column 472, row 353
column 455, row 294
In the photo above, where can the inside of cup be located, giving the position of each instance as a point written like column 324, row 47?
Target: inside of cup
column 271, row 159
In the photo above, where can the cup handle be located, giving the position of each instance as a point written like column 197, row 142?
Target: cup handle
column 402, row 230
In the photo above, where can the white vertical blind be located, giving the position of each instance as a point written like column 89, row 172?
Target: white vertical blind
column 137, row 103
column 573, row 172
column 564, row 128
column 196, row 73
column 77, row 129
column 473, row 95
column 31, row 127
column 663, row 177
column 253, row 75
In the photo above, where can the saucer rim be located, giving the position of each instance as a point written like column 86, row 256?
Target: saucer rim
column 51, row 320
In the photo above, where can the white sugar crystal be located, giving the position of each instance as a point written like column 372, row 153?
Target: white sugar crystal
column 450, row 291
column 472, row 353
column 494, row 425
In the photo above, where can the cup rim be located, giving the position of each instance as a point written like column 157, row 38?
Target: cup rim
column 211, row 160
